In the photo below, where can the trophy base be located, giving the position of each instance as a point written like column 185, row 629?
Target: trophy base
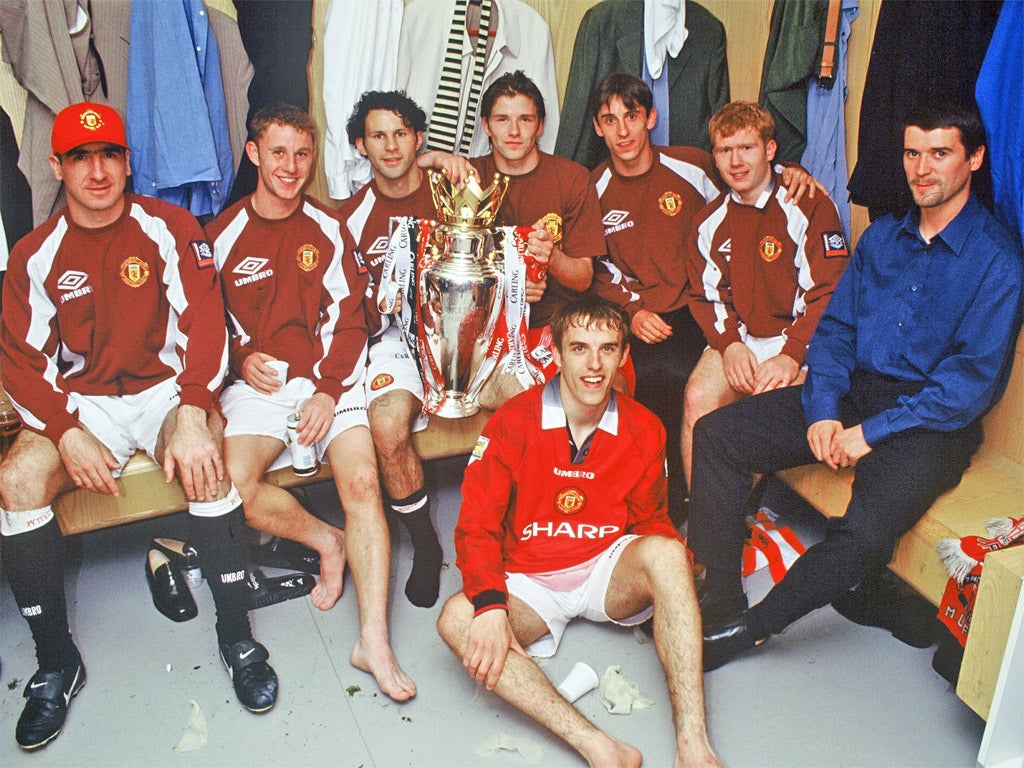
column 456, row 405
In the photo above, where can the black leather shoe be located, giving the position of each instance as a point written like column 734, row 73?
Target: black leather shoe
column 254, row 679
column 287, row 554
column 726, row 640
column 48, row 694
column 880, row 601
column 171, row 594
column 183, row 556
column 269, row 590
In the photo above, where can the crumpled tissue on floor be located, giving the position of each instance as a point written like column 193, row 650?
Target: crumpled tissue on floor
column 196, row 735
column 619, row 694
column 502, row 742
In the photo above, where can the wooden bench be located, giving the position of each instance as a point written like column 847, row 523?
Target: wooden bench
column 145, row 494
column 993, row 486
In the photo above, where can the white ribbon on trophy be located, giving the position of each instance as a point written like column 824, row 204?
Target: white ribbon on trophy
column 517, row 312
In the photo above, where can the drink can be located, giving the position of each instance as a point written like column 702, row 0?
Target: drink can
column 304, row 461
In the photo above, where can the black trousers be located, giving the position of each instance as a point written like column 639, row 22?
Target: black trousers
column 662, row 371
column 894, row 486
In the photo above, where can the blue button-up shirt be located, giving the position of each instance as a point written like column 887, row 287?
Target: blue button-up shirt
column 944, row 313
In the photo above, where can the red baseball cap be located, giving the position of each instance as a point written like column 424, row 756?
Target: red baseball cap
column 85, row 123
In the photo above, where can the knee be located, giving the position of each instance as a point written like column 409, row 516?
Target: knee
column 662, row 557
column 360, row 482
column 21, row 486
column 389, row 426
column 872, row 546
column 452, row 621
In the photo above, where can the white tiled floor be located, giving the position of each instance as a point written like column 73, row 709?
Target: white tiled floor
column 825, row 693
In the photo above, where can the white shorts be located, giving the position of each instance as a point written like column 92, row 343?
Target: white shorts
column 557, row 609
column 391, row 368
column 249, row 412
column 127, row 423
column 765, row 347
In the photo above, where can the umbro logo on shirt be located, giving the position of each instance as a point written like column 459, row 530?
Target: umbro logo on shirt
column 249, row 266
column 252, row 268
column 74, row 282
column 726, row 247
column 616, row 220
column 380, row 245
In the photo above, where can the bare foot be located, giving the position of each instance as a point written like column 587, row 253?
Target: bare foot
column 607, row 752
column 332, row 572
column 379, row 660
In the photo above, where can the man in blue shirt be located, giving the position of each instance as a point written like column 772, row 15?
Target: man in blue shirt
column 913, row 349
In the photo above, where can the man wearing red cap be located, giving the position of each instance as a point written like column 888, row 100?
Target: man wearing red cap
column 114, row 341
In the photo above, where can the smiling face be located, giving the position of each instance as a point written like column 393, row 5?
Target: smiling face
column 514, row 128
column 94, row 177
column 744, row 161
column 390, row 145
column 588, row 357
column 938, row 168
column 625, row 131
column 283, row 156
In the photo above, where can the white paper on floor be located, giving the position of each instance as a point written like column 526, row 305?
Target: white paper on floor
column 502, row 742
column 196, row 734
column 619, row 694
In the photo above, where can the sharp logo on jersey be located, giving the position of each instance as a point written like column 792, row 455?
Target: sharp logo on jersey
column 478, row 449
column 134, row 271
column 553, row 223
column 835, row 245
column 580, row 531
column 670, row 203
column 360, row 263
column 726, row 247
column 380, row 381
column 570, row 501
column 308, row 257
column 203, row 253
column 770, row 248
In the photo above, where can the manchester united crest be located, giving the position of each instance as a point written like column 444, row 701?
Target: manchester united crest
column 770, row 248
column 134, row 271
column 380, row 381
column 91, row 120
column 308, row 257
column 670, row 203
column 553, row 223
column 570, row 501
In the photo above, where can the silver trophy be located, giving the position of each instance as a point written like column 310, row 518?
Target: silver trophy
column 460, row 285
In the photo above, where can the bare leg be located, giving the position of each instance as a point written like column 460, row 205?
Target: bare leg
column 525, row 686
column 706, row 390
column 32, row 473
column 391, row 417
column 368, row 547
column 273, row 510
column 656, row 570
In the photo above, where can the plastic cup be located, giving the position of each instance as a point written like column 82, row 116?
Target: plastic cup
column 281, row 367
column 582, row 679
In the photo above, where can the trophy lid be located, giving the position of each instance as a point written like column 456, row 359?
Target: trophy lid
column 471, row 206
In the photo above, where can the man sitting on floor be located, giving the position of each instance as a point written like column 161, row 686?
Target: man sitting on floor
column 563, row 515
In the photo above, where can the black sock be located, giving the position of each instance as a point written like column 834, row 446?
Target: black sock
column 34, row 562
column 224, row 557
column 425, row 579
